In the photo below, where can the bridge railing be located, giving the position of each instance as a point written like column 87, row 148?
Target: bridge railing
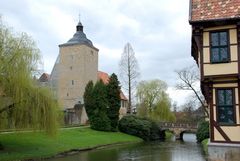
column 177, row 125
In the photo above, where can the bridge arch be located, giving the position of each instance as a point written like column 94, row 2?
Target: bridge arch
column 178, row 128
column 186, row 131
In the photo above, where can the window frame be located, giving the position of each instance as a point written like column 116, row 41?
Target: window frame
column 220, row 46
column 233, row 106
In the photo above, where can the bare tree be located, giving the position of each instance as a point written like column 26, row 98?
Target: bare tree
column 189, row 80
column 129, row 72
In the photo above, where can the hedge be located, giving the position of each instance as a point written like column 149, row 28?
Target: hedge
column 143, row 128
column 202, row 131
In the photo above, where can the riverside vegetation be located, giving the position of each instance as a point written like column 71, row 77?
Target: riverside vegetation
column 27, row 145
column 102, row 103
column 141, row 127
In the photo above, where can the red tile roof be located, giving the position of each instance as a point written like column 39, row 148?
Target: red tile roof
column 105, row 78
column 214, row 9
column 44, row 77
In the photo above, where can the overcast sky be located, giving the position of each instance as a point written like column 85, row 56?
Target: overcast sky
column 158, row 31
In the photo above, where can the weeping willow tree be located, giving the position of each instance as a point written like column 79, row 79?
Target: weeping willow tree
column 153, row 101
column 161, row 110
column 23, row 103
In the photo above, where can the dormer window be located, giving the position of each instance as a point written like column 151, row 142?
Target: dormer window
column 219, row 47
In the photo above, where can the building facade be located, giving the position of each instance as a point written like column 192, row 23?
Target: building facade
column 216, row 50
column 76, row 65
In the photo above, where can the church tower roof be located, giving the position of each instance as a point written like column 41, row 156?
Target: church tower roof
column 79, row 37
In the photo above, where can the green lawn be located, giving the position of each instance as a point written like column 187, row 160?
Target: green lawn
column 34, row 145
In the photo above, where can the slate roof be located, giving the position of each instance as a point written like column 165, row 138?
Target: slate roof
column 203, row 10
column 79, row 37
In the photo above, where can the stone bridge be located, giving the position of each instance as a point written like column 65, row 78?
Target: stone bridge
column 178, row 128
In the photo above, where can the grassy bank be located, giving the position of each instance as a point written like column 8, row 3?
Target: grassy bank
column 35, row 145
column 204, row 145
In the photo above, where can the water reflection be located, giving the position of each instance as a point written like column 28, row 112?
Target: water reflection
column 151, row 151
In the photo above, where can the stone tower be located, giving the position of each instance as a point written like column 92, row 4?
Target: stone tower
column 76, row 65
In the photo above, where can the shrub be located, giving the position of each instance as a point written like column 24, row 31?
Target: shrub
column 88, row 99
column 95, row 99
column 155, row 132
column 101, row 122
column 113, row 98
column 1, row 147
column 102, row 104
column 203, row 131
column 143, row 128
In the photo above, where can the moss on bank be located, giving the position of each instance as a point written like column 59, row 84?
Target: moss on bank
column 168, row 135
column 27, row 145
column 204, row 145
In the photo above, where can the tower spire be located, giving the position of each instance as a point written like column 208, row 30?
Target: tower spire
column 79, row 25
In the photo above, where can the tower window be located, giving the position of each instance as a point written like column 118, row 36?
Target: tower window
column 72, row 82
column 219, row 47
column 67, row 94
column 71, row 67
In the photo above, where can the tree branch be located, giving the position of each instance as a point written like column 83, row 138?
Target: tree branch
column 189, row 76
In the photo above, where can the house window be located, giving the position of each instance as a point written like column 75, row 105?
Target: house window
column 225, row 108
column 219, row 47
column 71, row 67
column 123, row 103
column 72, row 82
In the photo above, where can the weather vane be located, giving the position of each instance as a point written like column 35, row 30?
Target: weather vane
column 79, row 17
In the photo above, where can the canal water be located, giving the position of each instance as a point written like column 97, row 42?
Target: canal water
column 187, row 150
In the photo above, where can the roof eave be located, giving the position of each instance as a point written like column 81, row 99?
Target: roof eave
column 219, row 21
column 91, row 46
column 190, row 10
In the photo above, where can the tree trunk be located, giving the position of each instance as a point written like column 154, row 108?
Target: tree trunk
column 129, row 85
column 130, row 100
column 202, row 103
